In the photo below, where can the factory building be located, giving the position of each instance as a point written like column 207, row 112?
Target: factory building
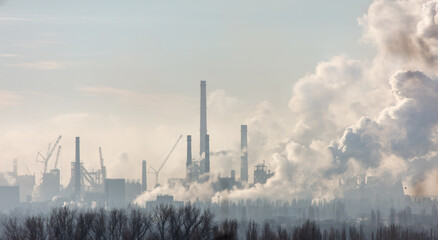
column 227, row 183
column 163, row 200
column 50, row 186
column 133, row 190
column 115, row 193
column 27, row 184
column 243, row 153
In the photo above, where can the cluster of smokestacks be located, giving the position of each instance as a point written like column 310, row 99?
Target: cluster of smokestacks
column 204, row 143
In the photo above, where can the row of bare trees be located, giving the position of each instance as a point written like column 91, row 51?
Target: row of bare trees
column 185, row 223
column 166, row 222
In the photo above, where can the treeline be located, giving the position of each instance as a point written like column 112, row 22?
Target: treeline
column 185, row 223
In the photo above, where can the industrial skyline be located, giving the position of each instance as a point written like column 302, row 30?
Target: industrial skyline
column 357, row 118
column 95, row 188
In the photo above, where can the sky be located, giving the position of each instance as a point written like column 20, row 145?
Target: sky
column 125, row 76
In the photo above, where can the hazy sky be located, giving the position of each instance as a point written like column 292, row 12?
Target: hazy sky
column 125, row 75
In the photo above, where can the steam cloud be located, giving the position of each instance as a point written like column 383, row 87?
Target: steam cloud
column 352, row 117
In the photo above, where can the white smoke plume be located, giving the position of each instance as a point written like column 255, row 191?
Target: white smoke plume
column 351, row 117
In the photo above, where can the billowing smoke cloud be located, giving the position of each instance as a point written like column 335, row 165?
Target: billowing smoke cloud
column 355, row 118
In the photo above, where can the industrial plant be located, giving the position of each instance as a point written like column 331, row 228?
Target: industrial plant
column 94, row 188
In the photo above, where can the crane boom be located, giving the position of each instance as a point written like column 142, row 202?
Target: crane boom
column 156, row 172
column 57, row 157
column 170, row 152
column 50, row 151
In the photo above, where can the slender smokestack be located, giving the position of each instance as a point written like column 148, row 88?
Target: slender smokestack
column 77, row 170
column 243, row 153
column 189, row 150
column 203, row 129
column 144, row 186
column 207, row 153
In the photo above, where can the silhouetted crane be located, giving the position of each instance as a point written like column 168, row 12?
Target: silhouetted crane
column 57, row 157
column 156, row 172
column 49, row 154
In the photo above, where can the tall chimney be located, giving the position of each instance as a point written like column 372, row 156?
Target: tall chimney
column 243, row 153
column 189, row 155
column 207, row 153
column 144, row 186
column 77, row 171
column 203, row 129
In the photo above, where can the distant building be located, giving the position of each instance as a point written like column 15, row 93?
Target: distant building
column 226, row 183
column 163, row 200
column 133, row 190
column 50, row 185
column 261, row 173
column 115, row 193
column 9, row 197
column 26, row 184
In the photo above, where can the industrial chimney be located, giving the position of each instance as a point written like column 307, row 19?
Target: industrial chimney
column 189, row 155
column 144, row 186
column 203, row 129
column 207, row 153
column 243, row 153
column 77, row 170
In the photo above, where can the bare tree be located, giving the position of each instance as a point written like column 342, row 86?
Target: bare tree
column 161, row 218
column 227, row 230
column 117, row 223
column 84, row 225
column 12, row 229
column 190, row 221
column 282, row 233
column 99, row 225
column 139, row 224
column 251, row 232
column 175, row 223
column 267, row 232
column 206, row 226
column 308, row 231
column 34, row 228
column 61, row 223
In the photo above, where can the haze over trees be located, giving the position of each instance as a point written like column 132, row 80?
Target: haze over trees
column 190, row 223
